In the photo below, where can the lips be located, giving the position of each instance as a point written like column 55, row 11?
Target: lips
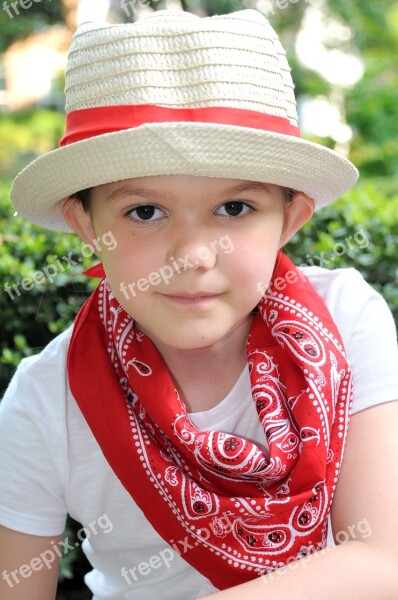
column 199, row 298
column 193, row 295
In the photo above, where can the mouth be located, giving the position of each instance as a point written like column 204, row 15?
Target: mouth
column 192, row 298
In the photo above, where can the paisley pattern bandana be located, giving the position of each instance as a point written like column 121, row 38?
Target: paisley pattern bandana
column 229, row 509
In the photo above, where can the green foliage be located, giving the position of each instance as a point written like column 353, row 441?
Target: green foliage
column 27, row 134
column 372, row 109
column 359, row 230
column 370, row 21
column 31, row 318
column 371, row 105
column 16, row 26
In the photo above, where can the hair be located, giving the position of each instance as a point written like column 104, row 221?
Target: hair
column 83, row 196
column 288, row 194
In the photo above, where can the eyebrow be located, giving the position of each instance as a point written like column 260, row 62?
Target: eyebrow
column 245, row 186
column 149, row 193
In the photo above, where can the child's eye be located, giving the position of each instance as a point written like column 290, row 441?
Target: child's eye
column 145, row 212
column 235, row 208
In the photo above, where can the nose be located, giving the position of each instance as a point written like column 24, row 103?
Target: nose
column 193, row 249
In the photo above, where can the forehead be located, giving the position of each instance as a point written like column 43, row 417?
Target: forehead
column 170, row 185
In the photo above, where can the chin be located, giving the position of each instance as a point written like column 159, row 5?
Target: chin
column 191, row 342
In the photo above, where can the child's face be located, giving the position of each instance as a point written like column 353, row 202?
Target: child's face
column 179, row 238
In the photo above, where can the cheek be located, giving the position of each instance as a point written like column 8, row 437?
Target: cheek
column 130, row 259
column 128, row 270
column 127, row 258
column 252, row 254
column 252, row 264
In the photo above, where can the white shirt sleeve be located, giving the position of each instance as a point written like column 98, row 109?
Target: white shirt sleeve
column 33, row 447
column 367, row 327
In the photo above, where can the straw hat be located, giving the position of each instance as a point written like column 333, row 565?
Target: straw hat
column 174, row 93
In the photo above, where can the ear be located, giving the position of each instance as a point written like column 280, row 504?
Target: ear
column 79, row 220
column 297, row 213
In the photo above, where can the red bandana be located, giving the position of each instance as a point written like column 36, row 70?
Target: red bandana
column 228, row 509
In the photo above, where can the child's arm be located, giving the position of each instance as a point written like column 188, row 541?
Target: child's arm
column 363, row 568
column 24, row 572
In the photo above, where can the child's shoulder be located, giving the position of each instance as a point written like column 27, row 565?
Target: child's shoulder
column 340, row 286
column 354, row 304
column 50, row 358
column 320, row 276
column 41, row 378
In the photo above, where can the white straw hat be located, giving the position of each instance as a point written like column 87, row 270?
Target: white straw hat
column 174, row 93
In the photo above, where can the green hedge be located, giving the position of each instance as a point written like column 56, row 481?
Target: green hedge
column 27, row 134
column 31, row 318
column 359, row 230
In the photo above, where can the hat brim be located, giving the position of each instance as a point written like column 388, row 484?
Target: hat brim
column 202, row 149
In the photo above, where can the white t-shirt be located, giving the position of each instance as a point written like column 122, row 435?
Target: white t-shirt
column 51, row 465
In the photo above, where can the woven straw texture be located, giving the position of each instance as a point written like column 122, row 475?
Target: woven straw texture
column 187, row 62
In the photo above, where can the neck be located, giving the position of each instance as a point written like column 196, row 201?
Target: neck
column 204, row 376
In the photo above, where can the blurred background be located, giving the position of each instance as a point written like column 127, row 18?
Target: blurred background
column 343, row 55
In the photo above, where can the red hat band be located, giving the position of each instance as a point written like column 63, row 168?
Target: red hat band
column 90, row 122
